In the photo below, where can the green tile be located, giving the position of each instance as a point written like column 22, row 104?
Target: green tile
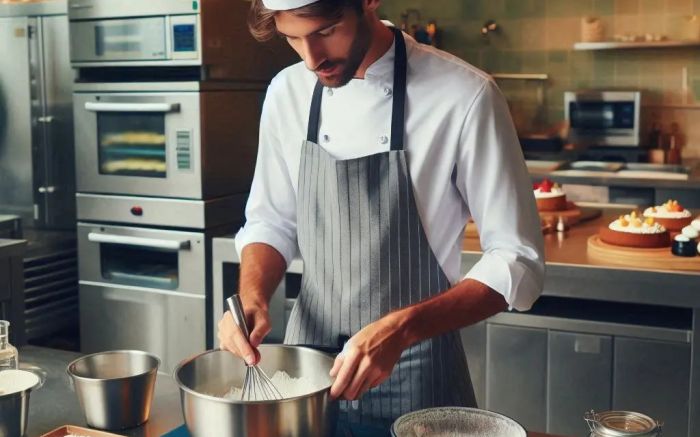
column 559, row 8
column 473, row 9
column 558, row 57
column 604, row 68
column 604, row 7
column 652, row 7
column 494, row 9
column 511, row 62
column 534, row 61
column 696, row 90
column 696, row 7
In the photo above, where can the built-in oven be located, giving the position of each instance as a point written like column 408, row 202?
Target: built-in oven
column 604, row 118
column 146, row 289
column 166, row 140
column 212, row 35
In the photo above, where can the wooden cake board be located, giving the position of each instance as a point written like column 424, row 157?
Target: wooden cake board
column 603, row 253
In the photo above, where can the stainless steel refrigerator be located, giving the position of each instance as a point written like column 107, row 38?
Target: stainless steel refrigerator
column 37, row 170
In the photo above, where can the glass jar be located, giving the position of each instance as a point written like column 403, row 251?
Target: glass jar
column 8, row 353
column 622, row 423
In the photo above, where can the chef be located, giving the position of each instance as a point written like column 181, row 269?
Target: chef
column 374, row 152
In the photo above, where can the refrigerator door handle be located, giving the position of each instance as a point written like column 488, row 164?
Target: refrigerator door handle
column 154, row 243
column 132, row 107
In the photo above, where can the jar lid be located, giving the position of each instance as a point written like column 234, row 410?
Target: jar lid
column 622, row 423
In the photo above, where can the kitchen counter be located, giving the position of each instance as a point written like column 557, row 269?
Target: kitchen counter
column 55, row 404
column 568, row 267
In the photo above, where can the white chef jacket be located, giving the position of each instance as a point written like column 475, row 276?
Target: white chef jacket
column 463, row 156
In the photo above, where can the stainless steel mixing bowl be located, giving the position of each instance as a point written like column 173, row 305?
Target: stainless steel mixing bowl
column 115, row 388
column 456, row 422
column 15, row 387
column 205, row 378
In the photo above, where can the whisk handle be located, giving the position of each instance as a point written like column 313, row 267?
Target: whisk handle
column 236, row 307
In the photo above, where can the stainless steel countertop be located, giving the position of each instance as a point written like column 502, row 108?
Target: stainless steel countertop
column 12, row 247
column 55, row 404
column 571, row 274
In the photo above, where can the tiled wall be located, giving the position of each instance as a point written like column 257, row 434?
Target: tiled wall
column 537, row 36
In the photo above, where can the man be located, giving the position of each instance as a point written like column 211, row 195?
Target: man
column 374, row 151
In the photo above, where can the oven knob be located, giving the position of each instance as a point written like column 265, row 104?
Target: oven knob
column 137, row 210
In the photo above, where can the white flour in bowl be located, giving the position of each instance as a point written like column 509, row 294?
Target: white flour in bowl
column 288, row 387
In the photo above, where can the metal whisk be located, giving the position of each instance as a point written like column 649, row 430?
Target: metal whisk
column 256, row 385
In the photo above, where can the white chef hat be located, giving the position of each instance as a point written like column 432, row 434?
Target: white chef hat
column 285, row 5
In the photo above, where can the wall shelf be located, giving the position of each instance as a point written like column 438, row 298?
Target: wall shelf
column 614, row 45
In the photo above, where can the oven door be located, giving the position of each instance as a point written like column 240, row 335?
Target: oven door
column 170, row 261
column 141, row 143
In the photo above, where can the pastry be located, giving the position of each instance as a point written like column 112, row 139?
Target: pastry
column 634, row 231
column 549, row 196
column 696, row 223
column 690, row 232
column 671, row 215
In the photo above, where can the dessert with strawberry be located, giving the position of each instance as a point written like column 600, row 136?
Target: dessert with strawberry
column 633, row 230
column 672, row 215
column 549, row 196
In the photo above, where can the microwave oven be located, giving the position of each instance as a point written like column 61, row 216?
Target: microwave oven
column 604, row 118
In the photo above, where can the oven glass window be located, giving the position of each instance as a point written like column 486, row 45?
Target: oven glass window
column 140, row 266
column 132, row 144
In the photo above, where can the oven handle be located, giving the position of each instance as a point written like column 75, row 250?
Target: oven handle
column 155, row 243
column 132, row 107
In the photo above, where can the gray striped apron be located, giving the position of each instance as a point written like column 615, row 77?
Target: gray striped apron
column 365, row 254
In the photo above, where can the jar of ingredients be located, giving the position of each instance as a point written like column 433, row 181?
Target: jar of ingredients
column 622, row 423
column 8, row 353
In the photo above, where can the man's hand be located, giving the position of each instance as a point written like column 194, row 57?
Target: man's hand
column 231, row 338
column 368, row 359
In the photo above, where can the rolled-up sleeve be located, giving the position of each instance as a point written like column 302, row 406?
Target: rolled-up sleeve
column 494, row 182
column 271, row 208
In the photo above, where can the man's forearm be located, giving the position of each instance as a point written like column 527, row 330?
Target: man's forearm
column 465, row 304
column 262, row 269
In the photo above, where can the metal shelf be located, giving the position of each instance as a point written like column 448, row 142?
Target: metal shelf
column 614, row 45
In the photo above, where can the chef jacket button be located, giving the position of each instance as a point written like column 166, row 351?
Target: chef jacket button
column 329, row 91
column 326, row 138
column 383, row 139
column 387, row 91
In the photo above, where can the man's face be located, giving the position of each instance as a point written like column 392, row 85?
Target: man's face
column 333, row 49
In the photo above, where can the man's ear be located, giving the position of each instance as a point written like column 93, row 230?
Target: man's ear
column 370, row 5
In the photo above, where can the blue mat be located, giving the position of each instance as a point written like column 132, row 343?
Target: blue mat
column 180, row 431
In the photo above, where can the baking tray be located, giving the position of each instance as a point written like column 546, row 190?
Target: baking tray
column 65, row 430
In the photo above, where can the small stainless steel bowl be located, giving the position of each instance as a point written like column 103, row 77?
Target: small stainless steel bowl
column 15, row 387
column 205, row 378
column 115, row 388
column 456, row 422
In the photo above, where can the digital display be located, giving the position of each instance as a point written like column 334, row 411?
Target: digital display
column 184, row 38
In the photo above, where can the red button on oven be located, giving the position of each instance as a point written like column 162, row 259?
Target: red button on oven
column 137, row 210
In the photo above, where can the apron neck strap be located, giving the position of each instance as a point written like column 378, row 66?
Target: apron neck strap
column 398, row 104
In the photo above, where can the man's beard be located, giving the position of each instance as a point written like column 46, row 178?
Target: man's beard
column 349, row 65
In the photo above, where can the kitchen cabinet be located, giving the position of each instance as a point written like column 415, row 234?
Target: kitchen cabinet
column 579, row 379
column 546, row 371
column 516, row 378
column 653, row 377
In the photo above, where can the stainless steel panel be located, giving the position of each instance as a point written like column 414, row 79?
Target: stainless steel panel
column 474, row 343
column 191, row 259
column 54, row 126
column 90, row 9
column 695, row 377
column 593, row 327
column 653, row 377
column 580, row 376
column 16, row 172
column 169, row 325
column 516, row 378
column 178, row 213
column 32, row 9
